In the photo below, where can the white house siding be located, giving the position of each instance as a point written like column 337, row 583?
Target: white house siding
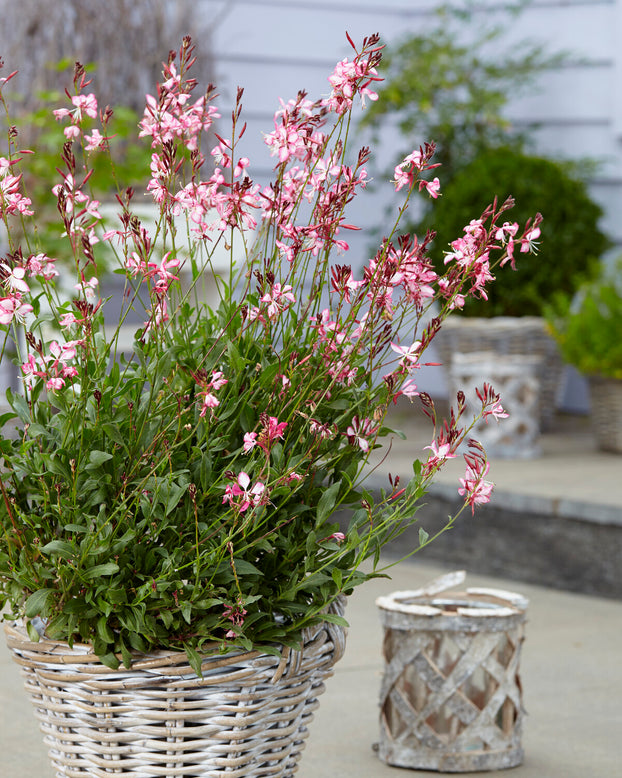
column 273, row 48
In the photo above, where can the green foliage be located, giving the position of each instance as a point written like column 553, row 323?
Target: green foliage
column 450, row 83
column 587, row 328
column 571, row 241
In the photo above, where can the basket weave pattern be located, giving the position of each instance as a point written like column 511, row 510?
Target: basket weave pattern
column 507, row 335
column 606, row 401
column 451, row 698
column 247, row 717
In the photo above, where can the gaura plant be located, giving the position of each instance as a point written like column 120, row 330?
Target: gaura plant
column 180, row 490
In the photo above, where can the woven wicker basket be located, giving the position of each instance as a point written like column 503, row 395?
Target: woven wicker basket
column 606, row 402
column 507, row 335
column 247, row 717
column 451, row 698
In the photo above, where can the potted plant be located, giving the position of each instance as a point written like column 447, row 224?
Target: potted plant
column 587, row 330
column 169, row 561
column 509, row 319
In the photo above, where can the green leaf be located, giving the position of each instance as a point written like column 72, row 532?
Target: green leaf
column 126, row 655
column 194, row 660
column 109, row 568
column 32, row 632
column 326, row 503
column 6, row 417
column 243, row 567
column 97, row 458
column 186, row 612
column 332, row 618
column 60, row 548
column 175, row 494
column 110, row 660
column 19, row 404
column 37, row 603
column 104, row 631
column 77, row 528
column 166, row 617
column 114, row 433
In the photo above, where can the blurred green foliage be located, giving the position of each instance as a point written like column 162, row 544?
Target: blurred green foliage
column 587, row 328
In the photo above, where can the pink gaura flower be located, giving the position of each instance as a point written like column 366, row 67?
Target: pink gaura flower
column 216, row 382
column 343, row 283
column 491, row 405
column 338, row 537
column 409, row 389
column 250, row 441
column 41, row 265
column 236, row 614
column 242, row 495
column 506, row 232
column 475, row 489
column 13, row 308
column 441, row 450
column 209, row 401
column 529, row 240
column 433, row 187
column 55, row 384
column 88, row 288
column 84, row 104
column 67, row 320
column 359, row 431
column 410, row 354
column 13, row 278
column 161, row 272
column 349, row 79
column 406, row 171
column 95, row 141
column 278, row 299
column 272, row 430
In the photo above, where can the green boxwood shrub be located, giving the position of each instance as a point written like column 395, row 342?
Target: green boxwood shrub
column 571, row 242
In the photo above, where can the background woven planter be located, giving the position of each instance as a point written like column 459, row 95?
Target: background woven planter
column 247, row 717
column 516, row 378
column 451, row 698
column 508, row 335
column 606, row 402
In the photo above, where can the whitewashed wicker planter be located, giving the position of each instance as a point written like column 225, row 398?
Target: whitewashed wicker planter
column 506, row 335
column 516, row 378
column 247, row 717
column 606, row 402
column 451, row 697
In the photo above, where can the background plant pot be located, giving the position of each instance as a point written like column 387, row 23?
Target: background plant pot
column 451, row 698
column 247, row 716
column 507, row 335
column 515, row 378
column 606, row 401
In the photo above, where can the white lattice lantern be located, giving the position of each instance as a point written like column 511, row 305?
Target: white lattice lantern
column 516, row 378
column 451, row 698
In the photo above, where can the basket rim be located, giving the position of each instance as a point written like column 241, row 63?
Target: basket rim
column 56, row 654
